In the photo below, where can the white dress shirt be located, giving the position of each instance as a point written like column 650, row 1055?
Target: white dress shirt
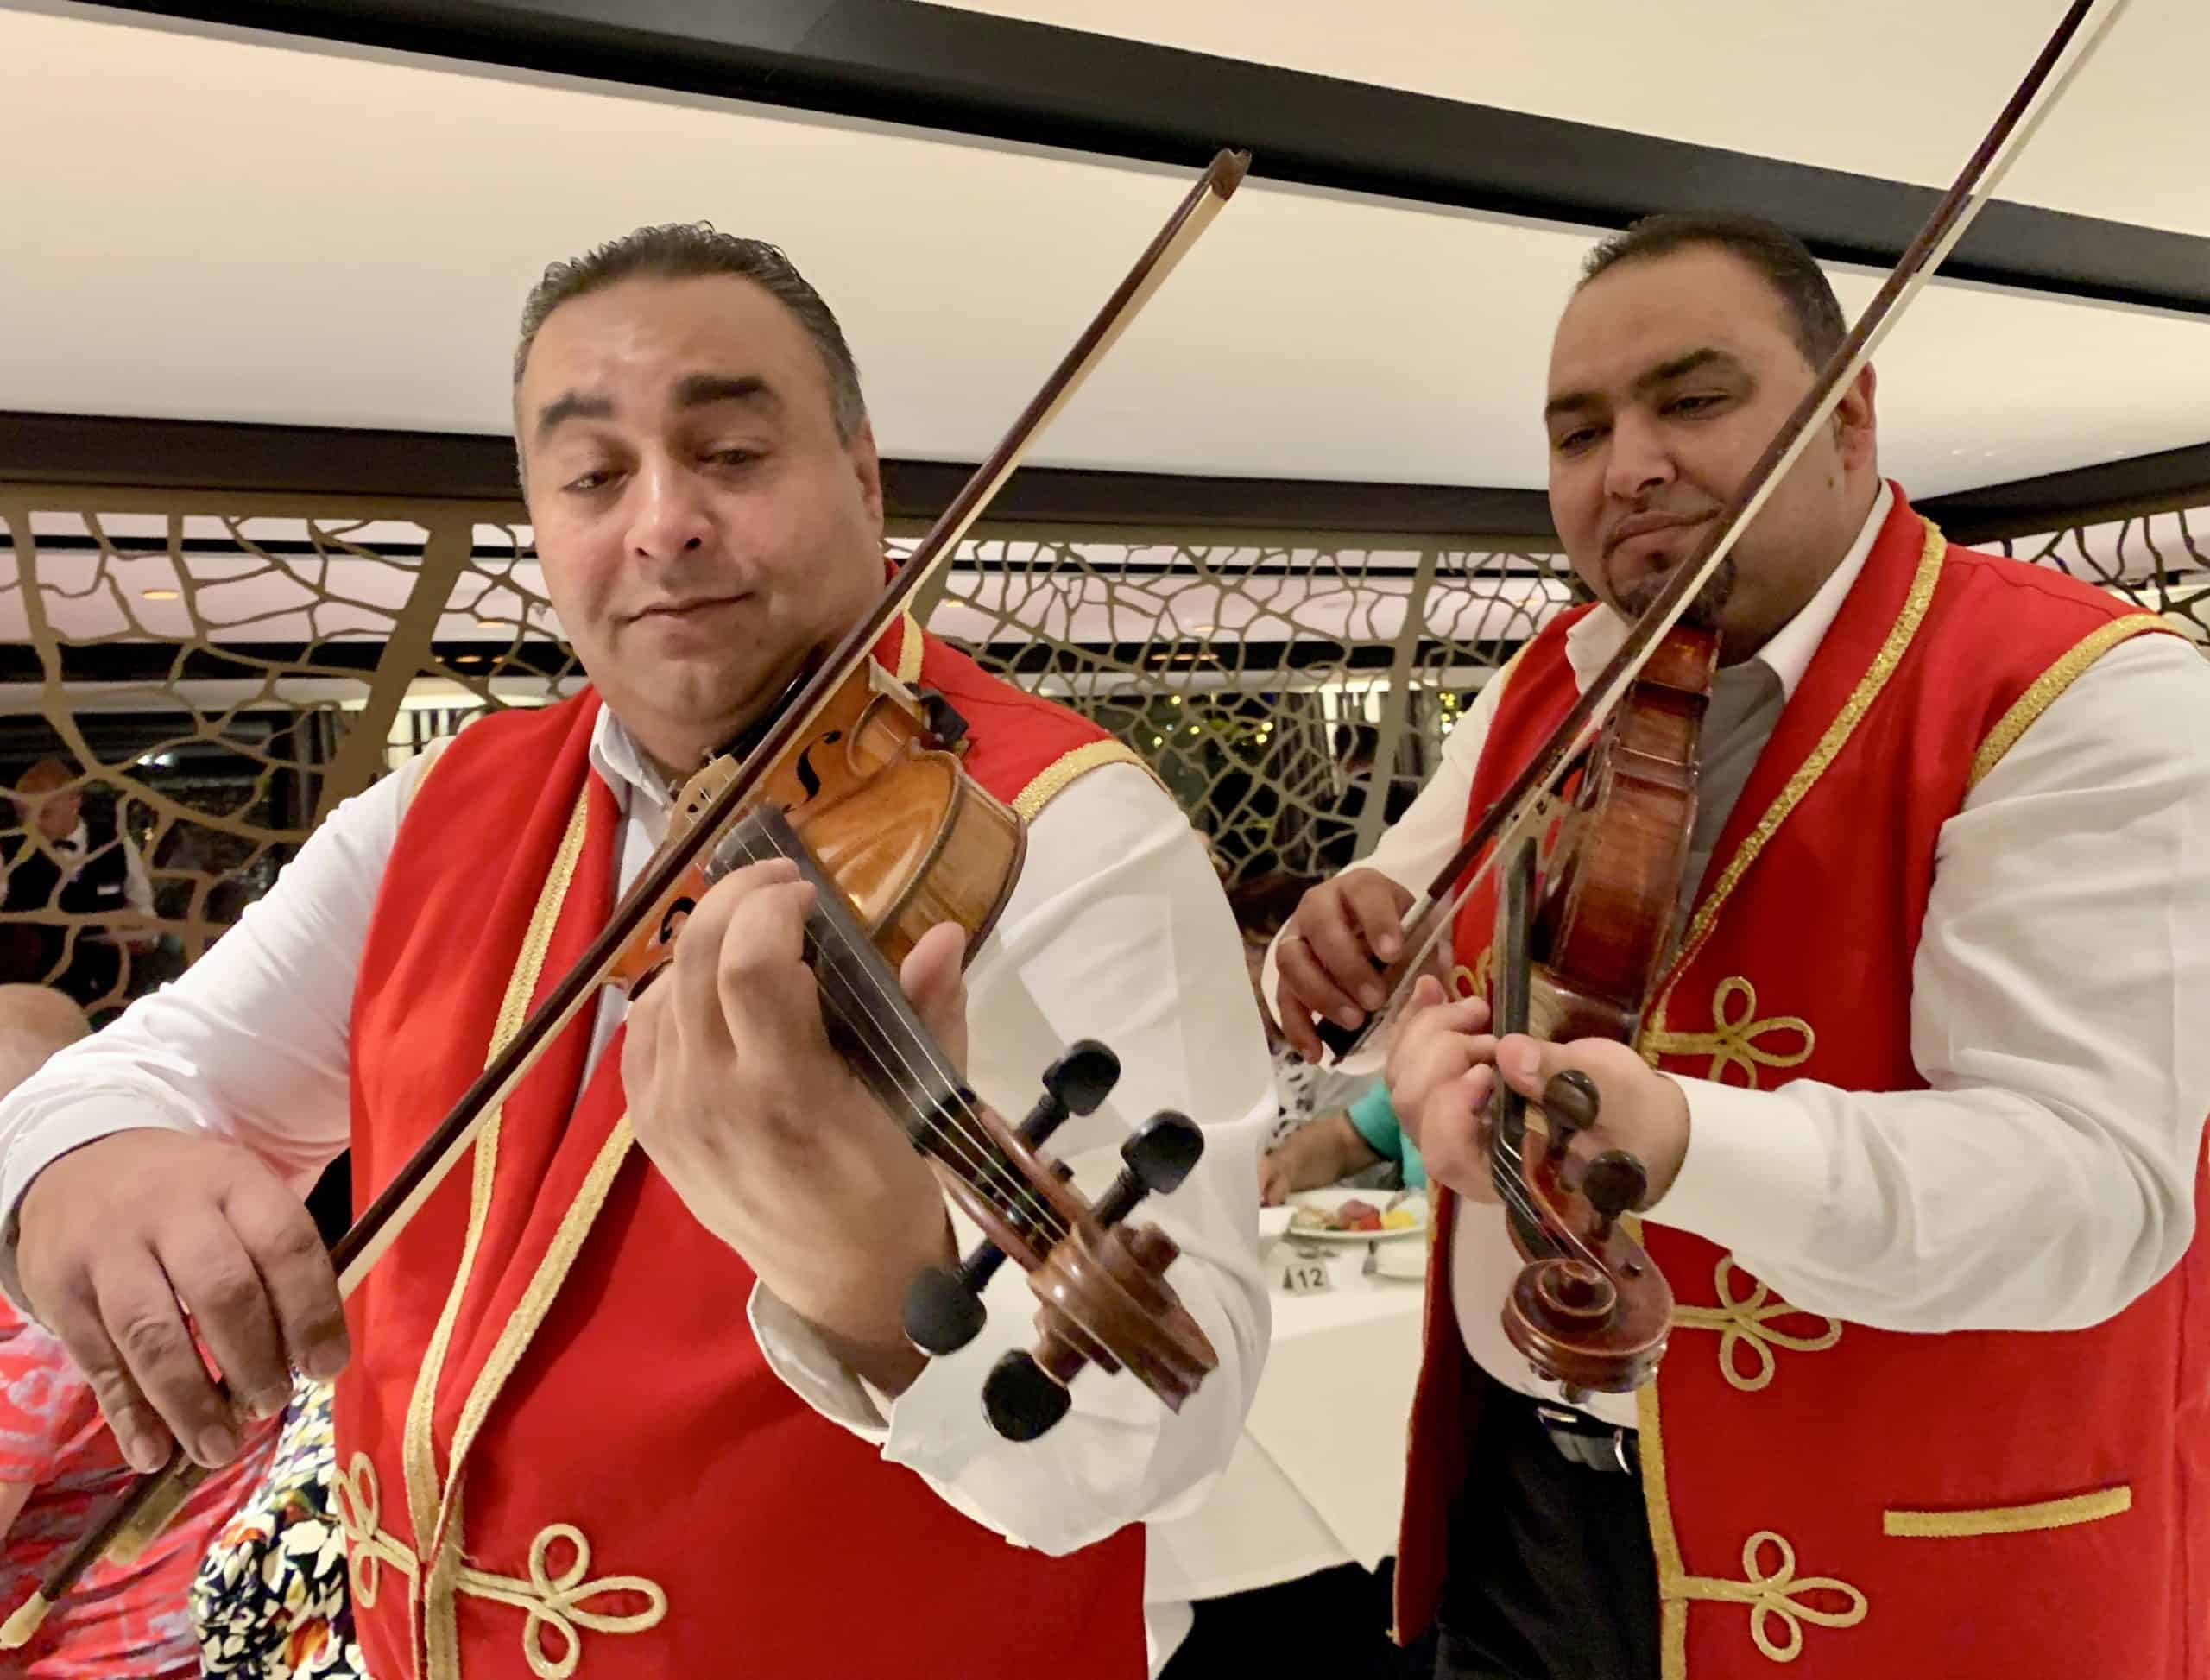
column 1116, row 930
column 2046, row 1177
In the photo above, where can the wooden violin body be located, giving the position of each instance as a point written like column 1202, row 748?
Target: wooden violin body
column 911, row 840
column 1582, row 937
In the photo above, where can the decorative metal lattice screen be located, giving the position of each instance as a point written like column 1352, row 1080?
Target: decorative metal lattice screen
column 215, row 674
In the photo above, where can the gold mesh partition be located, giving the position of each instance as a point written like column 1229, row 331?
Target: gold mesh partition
column 213, row 674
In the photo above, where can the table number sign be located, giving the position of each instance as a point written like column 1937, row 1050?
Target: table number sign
column 1306, row 1277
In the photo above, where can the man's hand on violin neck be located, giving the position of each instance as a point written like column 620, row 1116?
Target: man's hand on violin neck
column 1442, row 1070
column 120, row 1239
column 1329, row 954
column 772, row 1143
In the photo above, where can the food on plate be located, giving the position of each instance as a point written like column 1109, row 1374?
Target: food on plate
column 1353, row 1214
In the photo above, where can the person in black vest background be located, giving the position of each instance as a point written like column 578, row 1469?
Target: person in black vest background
column 60, row 861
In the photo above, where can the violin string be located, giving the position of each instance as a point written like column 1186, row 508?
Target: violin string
column 978, row 1165
column 973, row 1153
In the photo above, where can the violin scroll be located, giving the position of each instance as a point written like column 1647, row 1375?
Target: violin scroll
column 1593, row 1312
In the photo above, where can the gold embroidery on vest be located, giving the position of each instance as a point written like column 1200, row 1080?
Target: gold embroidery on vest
column 1773, row 1597
column 2008, row 1519
column 1830, row 745
column 553, row 1604
column 1665, row 1538
column 418, row 1460
column 2054, row 681
column 1054, row 778
column 360, row 1508
column 1733, row 1041
column 448, row 1574
column 1745, row 1322
column 910, row 649
column 1466, row 982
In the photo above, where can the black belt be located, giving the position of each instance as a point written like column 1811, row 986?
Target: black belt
column 1583, row 1440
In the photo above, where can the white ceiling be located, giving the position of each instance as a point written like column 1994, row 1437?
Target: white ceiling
column 218, row 227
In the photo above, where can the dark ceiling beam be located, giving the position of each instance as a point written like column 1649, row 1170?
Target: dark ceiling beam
column 2134, row 488
column 100, row 451
column 105, row 450
column 1004, row 79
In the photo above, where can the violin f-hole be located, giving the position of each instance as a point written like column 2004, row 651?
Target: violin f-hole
column 808, row 777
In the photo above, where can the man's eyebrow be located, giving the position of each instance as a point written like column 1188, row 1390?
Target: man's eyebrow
column 1663, row 374
column 1681, row 366
column 571, row 405
column 699, row 389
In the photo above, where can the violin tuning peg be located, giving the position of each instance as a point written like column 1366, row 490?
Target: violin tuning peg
column 1075, row 1084
column 1158, row 1157
column 1570, row 1101
column 1084, row 1077
column 1614, row 1183
column 1022, row 1399
column 943, row 1308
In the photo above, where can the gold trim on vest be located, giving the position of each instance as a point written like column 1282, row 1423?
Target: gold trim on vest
column 1733, row 1041
column 1474, row 982
column 554, row 1604
column 2008, row 1519
column 1665, row 1538
column 449, row 1576
column 1054, row 778
column 2054, row 681
column 1830, row 745
column 1772, row 1595
column 419, row 1463
column 910, row 649
column 1745, row 1322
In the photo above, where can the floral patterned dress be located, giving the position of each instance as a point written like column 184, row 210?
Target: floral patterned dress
column 271, row 1601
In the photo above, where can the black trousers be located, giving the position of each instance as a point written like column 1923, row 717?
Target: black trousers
column 1550, row 1576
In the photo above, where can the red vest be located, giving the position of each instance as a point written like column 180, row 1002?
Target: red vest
column 1846, row 1501
column 561, row 1451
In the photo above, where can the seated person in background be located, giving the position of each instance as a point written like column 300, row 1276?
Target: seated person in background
column 57, row 1461
column 1336, row 1146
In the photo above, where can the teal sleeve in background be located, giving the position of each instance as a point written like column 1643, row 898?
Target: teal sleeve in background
column 1372, row 1118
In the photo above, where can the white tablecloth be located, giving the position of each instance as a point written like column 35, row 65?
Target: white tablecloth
column 1318, row 1475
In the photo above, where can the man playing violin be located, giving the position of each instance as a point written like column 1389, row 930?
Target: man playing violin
column 1919, row 1090
column 627, row 1411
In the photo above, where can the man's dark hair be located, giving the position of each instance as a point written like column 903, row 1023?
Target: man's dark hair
column 1785, row 263
column 691, row 250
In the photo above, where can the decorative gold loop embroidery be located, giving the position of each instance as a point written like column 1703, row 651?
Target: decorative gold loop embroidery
column 1466, row 982
column 1733, row 1041
column 360, row 1506
column 551, row 1602
column 1744, row 1323
column 1772, row 1597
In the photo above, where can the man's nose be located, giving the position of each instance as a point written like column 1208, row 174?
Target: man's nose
column 670, row 516
column 1638, row 462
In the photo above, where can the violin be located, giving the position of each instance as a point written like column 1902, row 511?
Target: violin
column 1583, row 905
column 859, row 783
column 1584, row 923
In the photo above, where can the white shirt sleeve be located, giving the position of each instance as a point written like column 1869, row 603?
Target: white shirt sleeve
column 2058, row 1001
column 199, row 1054
column 1117, row 931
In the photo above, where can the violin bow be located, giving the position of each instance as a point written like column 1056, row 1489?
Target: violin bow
column 153, row 1497
column 1525, row 804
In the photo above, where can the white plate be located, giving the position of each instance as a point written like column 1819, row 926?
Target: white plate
column 1274, row 1221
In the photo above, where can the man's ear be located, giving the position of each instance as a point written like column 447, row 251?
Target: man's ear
column 1857, row 421
column 868, row 466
